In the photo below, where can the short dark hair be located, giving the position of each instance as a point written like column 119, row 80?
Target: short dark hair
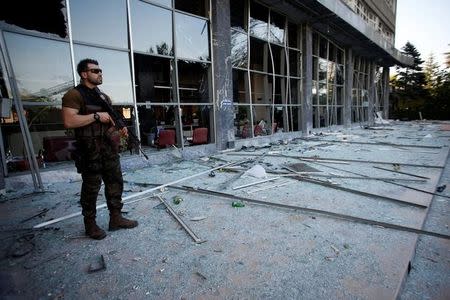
column 83, row 65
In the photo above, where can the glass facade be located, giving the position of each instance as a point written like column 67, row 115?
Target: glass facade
column 327, row 82
column 157, row 63
column 266, row 61
column 159, row 79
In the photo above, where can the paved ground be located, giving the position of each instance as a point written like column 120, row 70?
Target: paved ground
column 256, row 251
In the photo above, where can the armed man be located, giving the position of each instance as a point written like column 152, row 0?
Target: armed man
column 97, row 148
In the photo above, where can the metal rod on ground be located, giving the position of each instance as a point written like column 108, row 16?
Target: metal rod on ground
column 376, row 144
column 358, row 192
column 309, row 158
column 185, row 227
column 270, row 187
column 255, row 183
column 390, row 182
column 404, row 173
column 140, row 193
column 311, row 174
column 317, row 211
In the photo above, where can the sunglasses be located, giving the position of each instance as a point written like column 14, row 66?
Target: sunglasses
column 95, row 71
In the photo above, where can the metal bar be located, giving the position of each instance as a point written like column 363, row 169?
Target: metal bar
column 311, row 174
column 375, row 144
column 390, row 182
column 409, row 174
column 255, row 183
column 145, row 192
column 358, row 192
column 318, row 211
column 329, row 159
column 185, row 227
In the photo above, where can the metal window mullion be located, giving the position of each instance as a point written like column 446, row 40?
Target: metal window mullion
column 133, row 78
column 72, row 52
column 248, row 69
column 28, row 143
column 176, row 85
column 212, row 91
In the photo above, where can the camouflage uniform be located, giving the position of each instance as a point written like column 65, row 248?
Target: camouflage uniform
column 95, row 157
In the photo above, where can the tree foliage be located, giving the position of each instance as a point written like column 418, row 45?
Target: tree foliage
column 421, row 89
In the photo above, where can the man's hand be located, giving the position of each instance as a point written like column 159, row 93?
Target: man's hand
column 124, row 131
column 105, row 118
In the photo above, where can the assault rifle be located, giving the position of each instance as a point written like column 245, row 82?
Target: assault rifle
column 133, row 141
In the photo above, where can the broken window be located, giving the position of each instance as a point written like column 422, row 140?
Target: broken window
column 239, row 49
column 193, row 83
column 277, row 28
column 195, row 7
column 153, row 78
column 44, row 74
column 44, row 16
column 192, row 37
column 259, row 16
column 240, row 87
column 145, row 16
column 238, row 15
column 197, row 127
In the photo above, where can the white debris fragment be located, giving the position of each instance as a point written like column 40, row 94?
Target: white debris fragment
column 256, row 171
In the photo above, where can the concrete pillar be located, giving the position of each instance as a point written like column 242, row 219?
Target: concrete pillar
column 386, row 91
column 307, row 110
column 223, row 83
column 348, row 87
column 372, row 92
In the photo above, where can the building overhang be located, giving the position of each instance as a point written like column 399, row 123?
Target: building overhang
column 338, row 22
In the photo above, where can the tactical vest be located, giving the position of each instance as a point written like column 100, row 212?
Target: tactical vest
column 92, row 103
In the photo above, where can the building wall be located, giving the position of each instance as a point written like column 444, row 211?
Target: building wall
column 245, row 70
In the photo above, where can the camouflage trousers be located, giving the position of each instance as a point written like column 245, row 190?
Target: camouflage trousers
column 100, row 162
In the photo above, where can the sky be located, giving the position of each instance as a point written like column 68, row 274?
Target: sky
column 426, row 25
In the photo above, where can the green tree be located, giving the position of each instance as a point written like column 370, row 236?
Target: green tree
column 433, row 75
column 411, row 79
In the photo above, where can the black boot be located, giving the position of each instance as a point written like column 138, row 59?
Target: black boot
column 92, row 230
column 116, row 221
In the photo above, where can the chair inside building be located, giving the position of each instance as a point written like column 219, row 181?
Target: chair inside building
column 200, row 136
column 166, row 138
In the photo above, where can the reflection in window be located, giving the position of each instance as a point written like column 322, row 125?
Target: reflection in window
column 277, row 24
column 44, row 16
column 193, row 82
column 116, row 71
column 92, row 23
column 144, row 17
column 240, row 87
column 238, row 15
column 153, row 78
column 195, row 7
column 239, row 49
column 191, row 37
column 44, row 74
column 259, row 16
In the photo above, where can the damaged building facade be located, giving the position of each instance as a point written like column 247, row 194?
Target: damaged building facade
column 214, row 72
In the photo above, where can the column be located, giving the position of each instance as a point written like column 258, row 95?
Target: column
column 348, row 87
column 307, row 110
column 222, row 77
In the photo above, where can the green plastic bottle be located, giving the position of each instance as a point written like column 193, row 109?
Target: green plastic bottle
column 237, row 204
